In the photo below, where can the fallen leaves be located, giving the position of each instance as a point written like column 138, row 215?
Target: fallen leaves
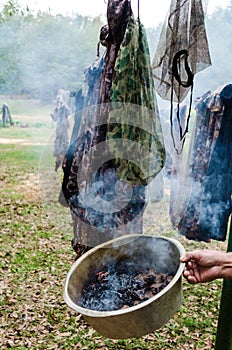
column 35, row 257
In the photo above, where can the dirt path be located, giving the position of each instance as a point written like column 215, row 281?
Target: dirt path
column 23, row 142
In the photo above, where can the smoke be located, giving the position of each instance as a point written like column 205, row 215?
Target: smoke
column 42, row 53
column 129, row 273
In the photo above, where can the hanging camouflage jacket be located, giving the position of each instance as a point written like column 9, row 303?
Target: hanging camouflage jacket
column 134, row 126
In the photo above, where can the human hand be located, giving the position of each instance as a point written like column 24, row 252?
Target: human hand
column 206, row 265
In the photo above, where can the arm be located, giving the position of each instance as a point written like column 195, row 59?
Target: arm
column 207, row 265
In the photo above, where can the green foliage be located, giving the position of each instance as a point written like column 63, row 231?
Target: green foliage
column 10, row 9
column 55, row 51
column 9, row 47
column 43, row 53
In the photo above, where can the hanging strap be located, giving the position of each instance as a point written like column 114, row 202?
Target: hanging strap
column 176, row 67
column 138, row 10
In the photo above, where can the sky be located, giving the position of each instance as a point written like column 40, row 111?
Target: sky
column 152, row 12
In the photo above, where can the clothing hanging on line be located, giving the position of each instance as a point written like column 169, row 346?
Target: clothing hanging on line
column 87, row 96
column 208, row 181
column 181, row 53
column 183, row 30
column 87, row 100
column 137, row 130
column 87, row 188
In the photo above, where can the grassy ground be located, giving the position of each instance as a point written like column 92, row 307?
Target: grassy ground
column 36, row 255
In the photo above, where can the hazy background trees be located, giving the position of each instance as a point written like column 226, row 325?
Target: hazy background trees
column 42, row 53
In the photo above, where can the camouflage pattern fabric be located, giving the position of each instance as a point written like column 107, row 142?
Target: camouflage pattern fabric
column 82, row 136
column 183, row 31
column 91, row 226
column 207, row 204
column 133, row 84
column 86, row 189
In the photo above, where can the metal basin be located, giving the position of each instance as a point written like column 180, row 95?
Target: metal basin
column 160, row 253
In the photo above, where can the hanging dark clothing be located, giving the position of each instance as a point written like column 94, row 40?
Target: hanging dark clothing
column 86, row 102
column 89, row 187
column 210, row 169
column 83, row 100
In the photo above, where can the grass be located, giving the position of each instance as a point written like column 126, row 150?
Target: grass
column 26, row 107
column 36, row 255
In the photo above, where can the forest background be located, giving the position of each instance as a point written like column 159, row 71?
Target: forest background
column 41, row 53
